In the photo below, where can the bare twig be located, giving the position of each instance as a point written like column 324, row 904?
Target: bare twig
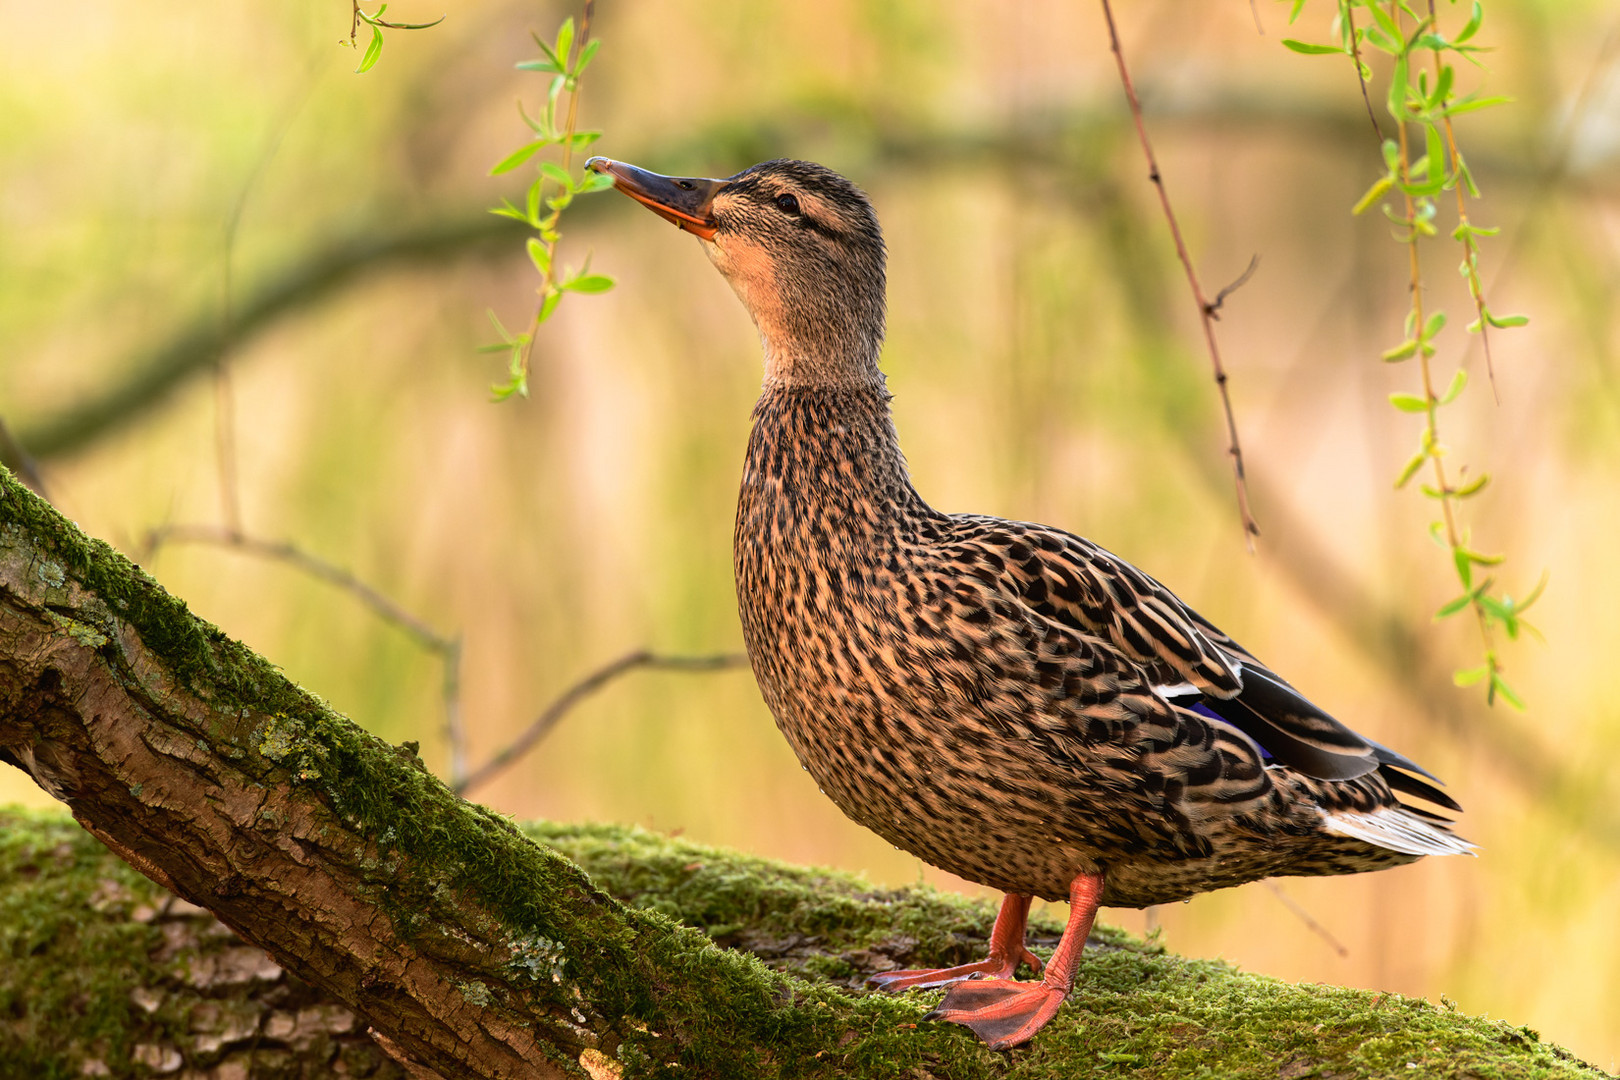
column 13, row 454
column 553, row 714
column 455, row 734
column 1250, row 528
column 282, row 551
column 448, row 649
column 160, row 369
column 224, row 387
column 230, row 502
column 1554, row 168
column 1213, row 308
column 1304, row 916
column 357, row 17
column 1355, row 56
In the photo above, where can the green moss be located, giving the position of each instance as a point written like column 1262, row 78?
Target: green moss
column 64, row 898
column 740, row 900
column 1135, row 1010
column 73, row 956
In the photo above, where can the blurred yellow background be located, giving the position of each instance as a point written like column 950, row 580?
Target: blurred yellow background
column 161, row 167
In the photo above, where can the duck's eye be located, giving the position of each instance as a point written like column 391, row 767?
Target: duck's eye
column 788, row 204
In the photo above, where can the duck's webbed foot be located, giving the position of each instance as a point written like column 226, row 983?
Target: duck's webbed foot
column 1005, row 1013
column 1007, row 951
column 1001, row 1012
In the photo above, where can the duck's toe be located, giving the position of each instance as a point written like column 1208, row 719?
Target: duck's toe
column 1001, row 1012
column 928, row 978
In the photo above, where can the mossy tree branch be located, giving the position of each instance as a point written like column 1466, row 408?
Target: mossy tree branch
column 480, row 953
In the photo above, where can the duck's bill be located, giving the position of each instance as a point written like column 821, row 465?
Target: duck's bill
column 686, row 201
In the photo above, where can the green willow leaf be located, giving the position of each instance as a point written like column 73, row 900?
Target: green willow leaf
column 1472, row 26
column 1410, row 468
column 557, row 174
column 565, row 42
column 549, row 304
column 589, row 283
column 1469, row 104
column 506, row 209
column 586, row 55
column 517, row 157
column 373, row 51
column 1449, row 609
column 1309, row 49
column 1374, row 193
column 1404, row 351
column 1499, row 687
column 539, row 256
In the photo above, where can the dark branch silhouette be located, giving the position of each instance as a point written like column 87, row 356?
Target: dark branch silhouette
column 1206, row 308
column 554, row 713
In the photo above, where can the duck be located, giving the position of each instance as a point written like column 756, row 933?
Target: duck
column 1006, row 700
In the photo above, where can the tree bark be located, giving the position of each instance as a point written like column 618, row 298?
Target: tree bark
column 474, row 951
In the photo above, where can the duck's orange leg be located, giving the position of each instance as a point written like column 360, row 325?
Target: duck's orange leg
column 1006, row 951
column 1005, row 1013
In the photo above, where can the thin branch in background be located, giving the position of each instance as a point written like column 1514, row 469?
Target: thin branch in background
column 448, row 649
column 1251, row 529
column 12, row 452
column 1304, row 916
column 1553, row 171
column 230, row 503
column 1212, row 309
column 1361, row 70
column 553, row 714
column 157, row 371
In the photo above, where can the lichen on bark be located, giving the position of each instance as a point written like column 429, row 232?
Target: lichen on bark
column 476, row 951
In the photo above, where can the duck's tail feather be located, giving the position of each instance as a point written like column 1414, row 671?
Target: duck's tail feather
column 1397, row 829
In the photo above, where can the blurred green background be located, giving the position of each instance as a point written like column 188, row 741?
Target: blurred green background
column 163, row 167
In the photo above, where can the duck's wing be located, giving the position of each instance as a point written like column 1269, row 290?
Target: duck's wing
column 1186, row 659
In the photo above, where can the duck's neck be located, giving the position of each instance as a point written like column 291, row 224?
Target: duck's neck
column 824, row 459
column 849, row 361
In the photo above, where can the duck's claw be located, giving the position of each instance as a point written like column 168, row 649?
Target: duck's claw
column 1001, row 1012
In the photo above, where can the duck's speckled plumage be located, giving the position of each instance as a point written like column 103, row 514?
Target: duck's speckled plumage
column 1005, row 700
column 979, row 692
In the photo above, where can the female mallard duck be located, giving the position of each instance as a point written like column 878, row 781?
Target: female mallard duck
column 1008, row 701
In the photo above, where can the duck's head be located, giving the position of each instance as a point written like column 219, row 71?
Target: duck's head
column 802, row 248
